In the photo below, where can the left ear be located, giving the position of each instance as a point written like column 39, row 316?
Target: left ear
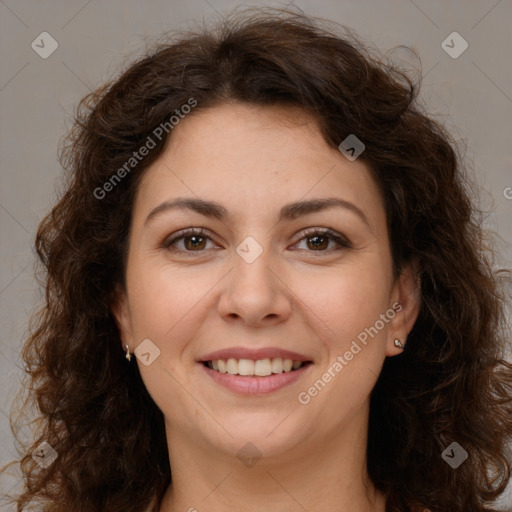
column 406, row 303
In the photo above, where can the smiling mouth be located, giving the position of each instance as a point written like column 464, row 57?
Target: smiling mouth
column 255, row 368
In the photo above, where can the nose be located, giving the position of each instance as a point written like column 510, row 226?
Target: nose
column 255, row 293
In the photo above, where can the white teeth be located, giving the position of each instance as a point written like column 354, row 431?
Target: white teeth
column 249, row 367
column 277, row 365
column 232, row 366
column 262, row 367
column 246, row 367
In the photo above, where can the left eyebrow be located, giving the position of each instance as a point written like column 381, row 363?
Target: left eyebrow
column 293, row 210
column 288, row 212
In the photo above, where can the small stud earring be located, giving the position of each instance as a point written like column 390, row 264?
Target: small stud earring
column 128, row 355
column 399, row 344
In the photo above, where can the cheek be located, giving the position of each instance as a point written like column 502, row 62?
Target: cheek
column 345, row 301
column 348, row 305
column 165, row 301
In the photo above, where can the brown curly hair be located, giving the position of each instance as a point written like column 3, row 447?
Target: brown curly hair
column 452, row 383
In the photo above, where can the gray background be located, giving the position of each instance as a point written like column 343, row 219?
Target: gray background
column 472, row 94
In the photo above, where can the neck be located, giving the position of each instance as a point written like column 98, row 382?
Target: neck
column 327, row 474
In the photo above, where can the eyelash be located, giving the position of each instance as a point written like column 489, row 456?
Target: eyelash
column 324, row 232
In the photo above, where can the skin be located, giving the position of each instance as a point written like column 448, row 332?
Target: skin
column 315, row 301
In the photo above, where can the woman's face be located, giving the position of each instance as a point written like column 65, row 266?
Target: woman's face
column 260, row 280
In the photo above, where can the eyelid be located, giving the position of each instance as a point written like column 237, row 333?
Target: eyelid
column 341, row 240
column 183, row 233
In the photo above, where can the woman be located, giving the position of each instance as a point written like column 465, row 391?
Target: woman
column 266, row 290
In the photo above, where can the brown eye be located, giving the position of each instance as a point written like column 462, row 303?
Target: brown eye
column 194, row 240
column 318, row 240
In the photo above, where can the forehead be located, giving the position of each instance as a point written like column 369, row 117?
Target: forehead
column 249, row 156
column 247, row 135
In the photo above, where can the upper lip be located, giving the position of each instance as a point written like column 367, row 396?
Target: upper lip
column 246, row 353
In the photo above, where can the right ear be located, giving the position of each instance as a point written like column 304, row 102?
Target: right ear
column 121, row 312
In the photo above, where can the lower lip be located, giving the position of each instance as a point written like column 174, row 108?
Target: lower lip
column 256, row 385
